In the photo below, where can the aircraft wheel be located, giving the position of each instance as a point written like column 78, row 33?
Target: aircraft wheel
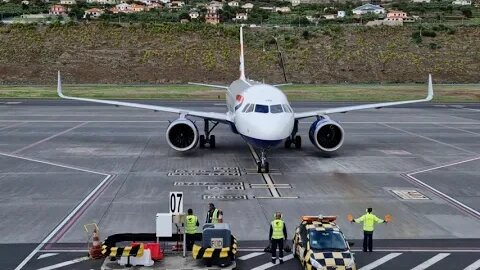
column 212, row 141
column 202, row 141
column 266, row 169
column 298, row 142
column 288, row 142
column 259, row 167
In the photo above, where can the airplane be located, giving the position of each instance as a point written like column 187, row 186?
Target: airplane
column 260, row 113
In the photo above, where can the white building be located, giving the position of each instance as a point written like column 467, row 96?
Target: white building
column 341, row 14
column 248, row 6
column 296, row 2
column 103, row 2
column 123, row 7
column 233, row 4
column 241, row 16
column 421, row 1
column 283, row 9
column 194, row 14
column 68, row 2
column 462, row 2
column 368, row 8
column 214, row 6
column 93, row 13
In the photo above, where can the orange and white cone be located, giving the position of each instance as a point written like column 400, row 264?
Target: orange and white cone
column 95, row 251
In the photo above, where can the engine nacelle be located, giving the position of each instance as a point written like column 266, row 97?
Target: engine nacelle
column 326, row 134
column 182, row 134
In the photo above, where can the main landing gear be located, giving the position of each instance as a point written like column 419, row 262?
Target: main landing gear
column 207, row 138
column 293, row 138
column 262, row 165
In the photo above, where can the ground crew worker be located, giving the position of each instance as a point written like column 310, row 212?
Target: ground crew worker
column 369, row 221
column 191, row 229
column 213, row 214
column 278, row 233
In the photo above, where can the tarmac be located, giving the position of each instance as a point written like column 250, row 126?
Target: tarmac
column 64, row 164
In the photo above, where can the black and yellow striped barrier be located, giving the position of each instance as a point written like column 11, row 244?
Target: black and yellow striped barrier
column 199, row 252
column 135, row 251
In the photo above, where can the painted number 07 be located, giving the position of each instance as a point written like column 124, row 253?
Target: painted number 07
column 176, row 202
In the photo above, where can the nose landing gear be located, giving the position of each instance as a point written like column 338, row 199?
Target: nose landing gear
column 262, row 165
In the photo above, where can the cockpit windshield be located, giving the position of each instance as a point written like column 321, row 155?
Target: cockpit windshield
column 261, row 108
column 327, row 240
column 276, row 108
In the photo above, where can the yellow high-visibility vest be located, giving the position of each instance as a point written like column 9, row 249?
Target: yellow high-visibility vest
column 369, row 221
column 277, row 229
column 191, row 224
column 215, row 216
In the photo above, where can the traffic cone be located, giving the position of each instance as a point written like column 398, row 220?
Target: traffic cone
column 95, row 251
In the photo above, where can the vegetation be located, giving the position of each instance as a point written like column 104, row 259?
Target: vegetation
column 347, row 92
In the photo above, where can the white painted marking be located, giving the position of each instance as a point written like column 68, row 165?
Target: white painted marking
column 452, row 200
column 459, row 129
column 12, row 102
column 46, row 255
column 445, row 165
column 13, row 125
column 431, row 261
column 275, row 198
column 81, row 121
column 63, row 264
column 70, row 215
column 48, row 138
column 251, row 255
column 269, row 265
column 473, row 266
column 251, row 249
column 470, row 109
column 64, row 250
column 428, row 138
column 419, row 123
column 380, row 261
column 220, row 104
column 266, row 176
column 423, row 250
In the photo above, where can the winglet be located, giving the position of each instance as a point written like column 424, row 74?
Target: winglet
column 59, row 86
column 430, row 88
column 242, row 60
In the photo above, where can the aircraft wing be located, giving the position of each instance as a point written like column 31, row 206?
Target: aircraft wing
column 222, row 117
column 366, row 106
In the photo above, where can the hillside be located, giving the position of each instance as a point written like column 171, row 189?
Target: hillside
column 178, row 53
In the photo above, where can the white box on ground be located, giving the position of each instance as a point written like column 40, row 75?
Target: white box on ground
column 164, row 225
column 145, row 259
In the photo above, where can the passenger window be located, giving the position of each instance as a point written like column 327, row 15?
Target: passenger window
column 276, row 108
column 261, row 108
column 250, row 108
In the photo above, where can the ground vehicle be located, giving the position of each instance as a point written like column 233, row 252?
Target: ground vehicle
column 319, row 244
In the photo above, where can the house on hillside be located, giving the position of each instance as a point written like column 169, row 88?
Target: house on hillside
column 241, row 16
column 212, row 18
column 214, row 6
column 396, row 16
column 296, row 2
column 123, row 7
column 176, row 4
column 58, row 10
column 462, row 2
column 93, row 13
column 194, row 14
column 248, row 6
column 341, row 14
column 233, row 4
column 137, row 8
column 421, row 1
column 68, row 2
column 283, row 9
column 368, row 8
column 103, row 2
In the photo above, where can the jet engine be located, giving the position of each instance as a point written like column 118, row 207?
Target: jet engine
column 182, row 134
column 326, row 134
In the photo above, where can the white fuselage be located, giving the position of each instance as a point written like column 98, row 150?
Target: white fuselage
column 261, row 113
